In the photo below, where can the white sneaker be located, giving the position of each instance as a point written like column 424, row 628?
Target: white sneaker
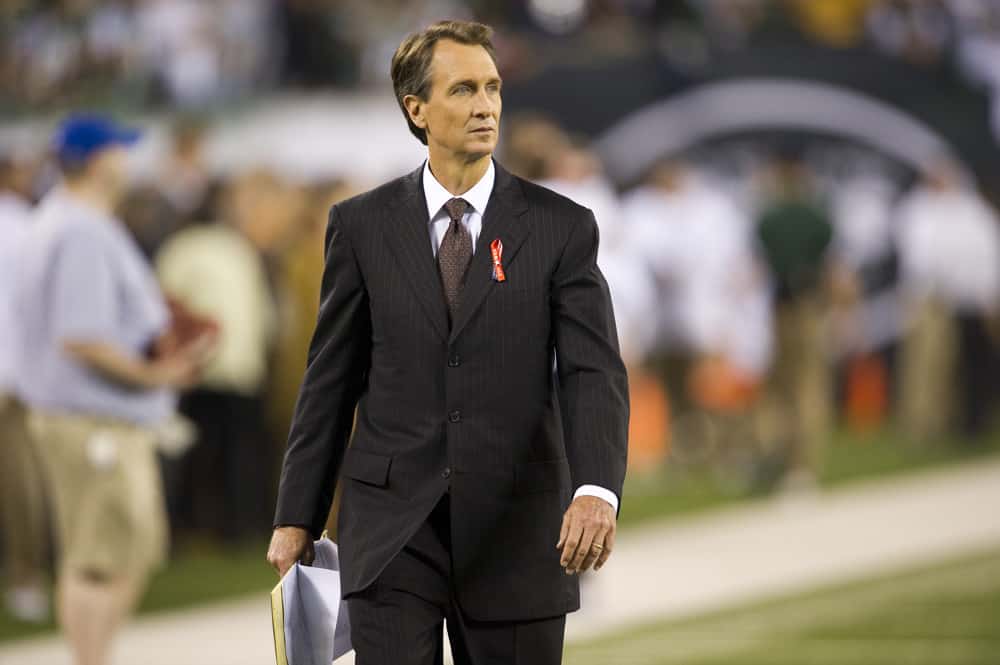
column 28, row 603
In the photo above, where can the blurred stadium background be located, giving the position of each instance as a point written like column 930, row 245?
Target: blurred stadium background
column 798, row 210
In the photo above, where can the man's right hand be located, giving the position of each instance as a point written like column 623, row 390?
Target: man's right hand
column 288, row 545
column 181, row 368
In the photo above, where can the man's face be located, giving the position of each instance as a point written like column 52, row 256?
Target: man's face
column 111, row 168
column 462, row 111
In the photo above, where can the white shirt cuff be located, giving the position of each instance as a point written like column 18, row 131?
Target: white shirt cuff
column 600, row 493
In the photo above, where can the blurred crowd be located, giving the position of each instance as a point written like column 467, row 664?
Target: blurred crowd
column 196, row 53
column 774, row 289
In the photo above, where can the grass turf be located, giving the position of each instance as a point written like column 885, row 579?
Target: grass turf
column 947, row 614
column 669, row 491
column 205, row 574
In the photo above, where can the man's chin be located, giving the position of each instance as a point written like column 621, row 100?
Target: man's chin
column 482, row 147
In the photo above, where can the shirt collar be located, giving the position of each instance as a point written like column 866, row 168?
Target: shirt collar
column 477, row 196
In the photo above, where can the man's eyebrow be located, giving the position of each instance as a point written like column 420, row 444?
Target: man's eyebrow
column 473, row 83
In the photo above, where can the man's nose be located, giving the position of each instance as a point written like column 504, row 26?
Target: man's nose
column 482, row 105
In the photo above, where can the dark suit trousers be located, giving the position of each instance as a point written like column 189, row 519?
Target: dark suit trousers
column 398, row 619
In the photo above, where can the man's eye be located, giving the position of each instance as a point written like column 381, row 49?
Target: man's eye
column 461, row 89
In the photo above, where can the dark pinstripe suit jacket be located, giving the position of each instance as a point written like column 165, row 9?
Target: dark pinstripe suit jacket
column 524, row 398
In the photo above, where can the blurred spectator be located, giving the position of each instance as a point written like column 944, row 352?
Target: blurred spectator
column 538, row 149
column 266, row 208
column 696, row 241
column 180, row 40
column 149, row 216
column 215, row 269
column 299, row 271
column 89, row 312
column 23, row 520
column 949, row 245
column 184, row 178
column 712, row 340
column 865, row 317
column 794, row 232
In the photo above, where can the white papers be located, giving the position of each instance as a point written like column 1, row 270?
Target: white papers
column 310, row 620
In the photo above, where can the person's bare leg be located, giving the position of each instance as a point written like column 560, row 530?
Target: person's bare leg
column 91, row 609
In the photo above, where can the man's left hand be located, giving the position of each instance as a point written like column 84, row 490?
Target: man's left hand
column 587, row 536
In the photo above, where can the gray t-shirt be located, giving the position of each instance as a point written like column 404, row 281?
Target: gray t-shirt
column 83, row 279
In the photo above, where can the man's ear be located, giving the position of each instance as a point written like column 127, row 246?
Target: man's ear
column 415, row 108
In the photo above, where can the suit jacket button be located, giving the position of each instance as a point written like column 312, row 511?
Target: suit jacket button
column 446, row 473
column 455, row 416
column 454, row 361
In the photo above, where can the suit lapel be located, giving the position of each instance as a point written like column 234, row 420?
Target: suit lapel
column 504, row 218
column 409, row 239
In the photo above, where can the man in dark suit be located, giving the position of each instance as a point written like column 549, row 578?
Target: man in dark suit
column 463, row 313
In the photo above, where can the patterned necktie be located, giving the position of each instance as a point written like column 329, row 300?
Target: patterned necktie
column 454, row 254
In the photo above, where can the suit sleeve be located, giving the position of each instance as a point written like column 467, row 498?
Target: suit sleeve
column 336, row 373
column 593, row 385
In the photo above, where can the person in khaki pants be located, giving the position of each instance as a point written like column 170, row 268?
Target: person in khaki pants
column 794, row 234
column 91, row 328
column 22, row 516
column 22, row 501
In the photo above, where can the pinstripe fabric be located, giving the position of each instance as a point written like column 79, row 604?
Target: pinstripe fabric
column 522, row 398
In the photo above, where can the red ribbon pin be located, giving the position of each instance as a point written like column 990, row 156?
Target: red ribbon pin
column 496, row 249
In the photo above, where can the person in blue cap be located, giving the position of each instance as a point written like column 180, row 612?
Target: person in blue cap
column 91, row 320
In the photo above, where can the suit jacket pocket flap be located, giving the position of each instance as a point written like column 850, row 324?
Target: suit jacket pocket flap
column 367, row 467
column 545, row 476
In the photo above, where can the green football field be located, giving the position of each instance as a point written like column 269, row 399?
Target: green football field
column 948, row 614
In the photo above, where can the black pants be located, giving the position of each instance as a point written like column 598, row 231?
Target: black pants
column 398, row 619
column 977, row 374
column 223, row 485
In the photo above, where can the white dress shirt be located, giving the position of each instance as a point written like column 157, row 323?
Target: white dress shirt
column 478, row 196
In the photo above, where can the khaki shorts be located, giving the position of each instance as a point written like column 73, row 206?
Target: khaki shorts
column 104, row 481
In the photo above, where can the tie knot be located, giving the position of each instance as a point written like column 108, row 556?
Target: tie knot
column 456, row 208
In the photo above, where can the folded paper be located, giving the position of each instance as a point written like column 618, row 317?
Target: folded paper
column 310, row 621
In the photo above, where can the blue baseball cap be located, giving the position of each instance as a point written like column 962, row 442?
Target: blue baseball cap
column 80, row 137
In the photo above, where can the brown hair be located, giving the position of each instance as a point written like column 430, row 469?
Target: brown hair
column 411, row 64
